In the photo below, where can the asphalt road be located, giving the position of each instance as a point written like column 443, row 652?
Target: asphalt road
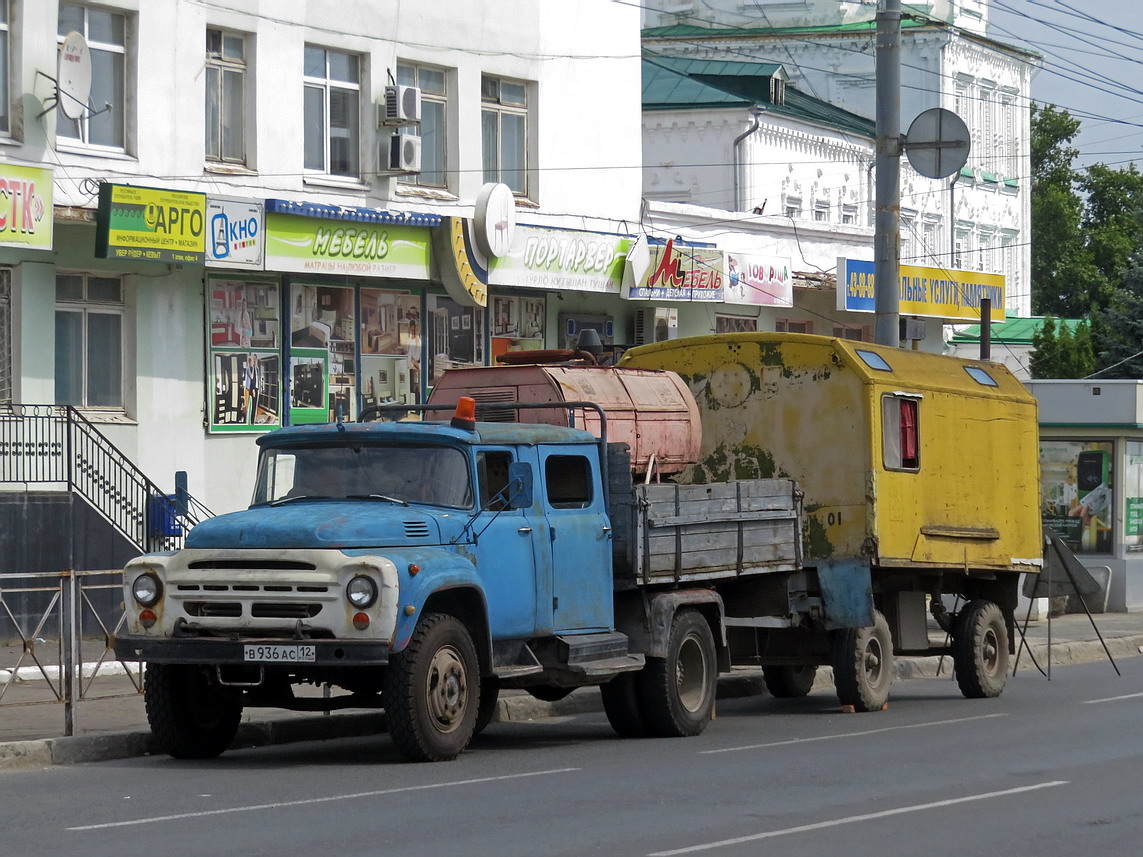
column 1047, row 769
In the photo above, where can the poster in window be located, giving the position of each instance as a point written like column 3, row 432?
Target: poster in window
column 1077, row 491
column 452, row 343
column 505, row 317
column 532, row 315
column 308, row 386
column 243, row 389
column 243, row 314
column 323, row 319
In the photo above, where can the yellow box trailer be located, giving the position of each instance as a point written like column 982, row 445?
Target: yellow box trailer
column 920, row 473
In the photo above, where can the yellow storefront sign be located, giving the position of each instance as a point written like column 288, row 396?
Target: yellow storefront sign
column 25, row 207
column 927, row 292
column 150, row 224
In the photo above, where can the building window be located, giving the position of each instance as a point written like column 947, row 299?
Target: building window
column 106, row 35
column 735, row 324
column 504, row 134
column 433, row 129
column 5, row 334
column 847, row 331
column 793, row 207
column 899, row 432
column 792, row 325
column 849, row 215
column 332, row 111
column 5, row 83
column 89, row 341
column 225, row 97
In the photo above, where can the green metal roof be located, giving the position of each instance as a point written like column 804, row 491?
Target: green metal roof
column 674, row 83
column 1014, row 331
column 693, row 30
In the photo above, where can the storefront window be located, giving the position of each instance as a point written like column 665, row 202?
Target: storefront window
column 323, row 367
column 245, row 363
column 1133, row 497
column 456, row 336
column 517, row 323
column 1077, row 485
column 391, row 344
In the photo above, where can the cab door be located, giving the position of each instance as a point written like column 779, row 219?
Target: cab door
column 577, row 534
column 504, row 550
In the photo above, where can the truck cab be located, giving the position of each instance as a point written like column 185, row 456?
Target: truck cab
column 384, row 558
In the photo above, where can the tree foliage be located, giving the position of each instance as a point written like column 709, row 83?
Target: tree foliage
column 1058, row 352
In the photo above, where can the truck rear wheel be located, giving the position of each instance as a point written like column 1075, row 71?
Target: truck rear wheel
column 621, row 705
column 677, row 692
column 980, row 649
column 789, row 682
column 190, row 715
column 863, row 665
column 432, row 691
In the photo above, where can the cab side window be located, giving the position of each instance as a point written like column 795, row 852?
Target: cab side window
column 568, row 480
column 492, row 479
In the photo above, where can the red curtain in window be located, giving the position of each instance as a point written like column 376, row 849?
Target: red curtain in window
column 908, row 432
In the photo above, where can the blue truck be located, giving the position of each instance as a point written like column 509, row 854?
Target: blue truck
column 423, row 566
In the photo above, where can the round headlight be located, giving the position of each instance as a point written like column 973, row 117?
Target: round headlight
column 147, row 589
column 361, row 591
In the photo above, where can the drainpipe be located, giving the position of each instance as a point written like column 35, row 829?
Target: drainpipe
column 755, row 112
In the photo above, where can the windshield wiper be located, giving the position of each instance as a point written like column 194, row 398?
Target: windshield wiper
column 281, row 500
column 386, row 497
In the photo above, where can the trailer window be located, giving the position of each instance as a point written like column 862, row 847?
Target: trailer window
column 568, row 478
column 900, row 433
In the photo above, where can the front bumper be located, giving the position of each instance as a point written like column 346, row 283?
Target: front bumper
column 203, row 650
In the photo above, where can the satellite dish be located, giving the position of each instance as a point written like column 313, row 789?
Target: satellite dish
column 73, row 80
column 937, row 143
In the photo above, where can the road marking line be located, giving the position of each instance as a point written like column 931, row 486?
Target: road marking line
column 804, row 828
column 1113, row 698
column 852, row 734
column 314, row 800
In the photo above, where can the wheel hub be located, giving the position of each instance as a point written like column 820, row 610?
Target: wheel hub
column 690, row 675
column 446, row 689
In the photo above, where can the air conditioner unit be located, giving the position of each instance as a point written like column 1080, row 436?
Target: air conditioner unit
column 655, row 324
column 402, row 105
column 404, row 153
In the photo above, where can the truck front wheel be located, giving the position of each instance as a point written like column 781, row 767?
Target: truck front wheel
column 980, row 649
column 789, row 682
column 190, row 715
column 677, row 692
column 621, row 705
column 863, row 665
column 432, row 691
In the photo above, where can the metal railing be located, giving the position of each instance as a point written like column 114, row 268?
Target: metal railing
column 56, row 444
column 61, row 632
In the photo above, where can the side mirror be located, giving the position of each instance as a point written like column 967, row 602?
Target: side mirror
column 519, row 485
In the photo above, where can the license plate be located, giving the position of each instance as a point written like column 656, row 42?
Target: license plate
column 280, row 654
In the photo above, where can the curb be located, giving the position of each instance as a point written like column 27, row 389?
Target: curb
column 46, row 752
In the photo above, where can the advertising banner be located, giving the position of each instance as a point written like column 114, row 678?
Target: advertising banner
column 243, row 348
column 150, row 224
column 235, row 232
column 1077, row 492
column 758, row 280
column 318, row 246
column 25, row 207
column 927, row 292
column 562, row 259
column 681, row 273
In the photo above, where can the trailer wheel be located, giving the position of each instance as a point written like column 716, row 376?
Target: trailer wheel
column 489, row 696
column 980, row 649
column 432, row 693
column 621, row 705
column 790, row 682
column 863, row 665
column 677, row 692
column 190, row 716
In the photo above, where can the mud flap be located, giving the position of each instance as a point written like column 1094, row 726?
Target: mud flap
column 847, row 594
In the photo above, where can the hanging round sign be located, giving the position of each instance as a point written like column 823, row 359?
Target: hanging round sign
column 495, row 220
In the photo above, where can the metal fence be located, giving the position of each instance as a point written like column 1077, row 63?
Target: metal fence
column 60, row 647
column 55, row 445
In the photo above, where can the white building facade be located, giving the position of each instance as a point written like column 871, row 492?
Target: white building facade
column 979, row 219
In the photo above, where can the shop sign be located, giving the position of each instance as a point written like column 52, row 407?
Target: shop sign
column 758, row 280
column 681, row 273
column 927, row 292
column 25, row 207
column 559, row 259
column 235, row 232
column 319, row 246
column 150, row 224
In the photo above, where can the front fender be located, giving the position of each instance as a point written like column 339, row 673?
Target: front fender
column 438, row 570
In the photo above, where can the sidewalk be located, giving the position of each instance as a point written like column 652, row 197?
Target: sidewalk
column 115, row 725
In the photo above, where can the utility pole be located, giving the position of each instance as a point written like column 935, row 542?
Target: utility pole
column 886, row 225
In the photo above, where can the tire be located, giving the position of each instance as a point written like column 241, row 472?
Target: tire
column 863, row 665
column 621, row 705
column 190, row 716
column 790, row 682
column 432, row 691
column 489, row 695
column 676, row 693
column 980, row 649
column 548, row 692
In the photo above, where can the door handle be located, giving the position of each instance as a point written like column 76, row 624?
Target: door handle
column 524, row 530
column 606, row 528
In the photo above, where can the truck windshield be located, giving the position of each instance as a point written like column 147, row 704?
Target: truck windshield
column 433, row 475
